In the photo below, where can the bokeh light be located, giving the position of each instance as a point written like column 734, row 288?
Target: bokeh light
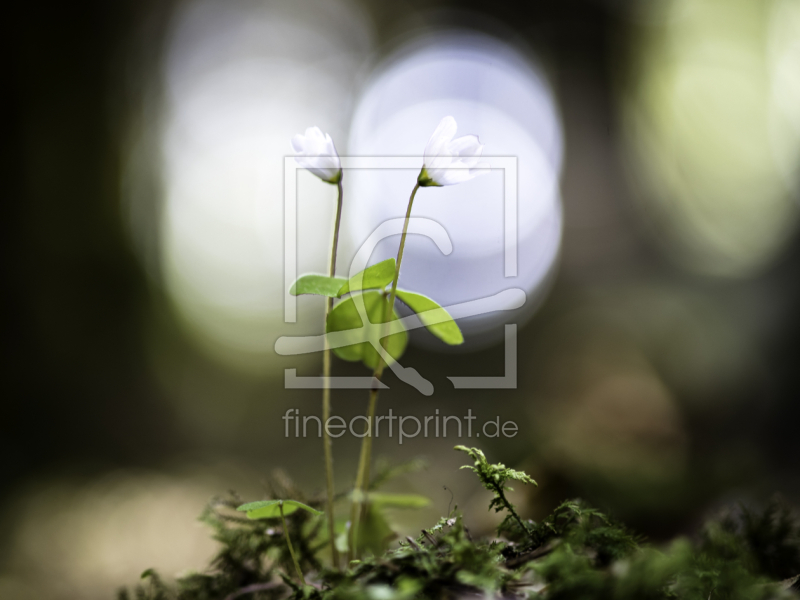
column 240, row 79
column 711, row 118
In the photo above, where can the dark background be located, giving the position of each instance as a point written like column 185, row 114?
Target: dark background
column 84, row 399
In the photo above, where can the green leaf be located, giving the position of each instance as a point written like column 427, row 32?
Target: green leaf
column 374, row 277
column 374, row 531
column 271, row 509
column 319, row 285
column 437, row 320
column 344, row 317
column 383, row 500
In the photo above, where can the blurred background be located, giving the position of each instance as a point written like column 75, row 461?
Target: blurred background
column 659, row 166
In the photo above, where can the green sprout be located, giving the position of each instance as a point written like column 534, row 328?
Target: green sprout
column 494, row 478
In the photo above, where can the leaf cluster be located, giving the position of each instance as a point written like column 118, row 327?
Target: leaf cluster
column 359, row 319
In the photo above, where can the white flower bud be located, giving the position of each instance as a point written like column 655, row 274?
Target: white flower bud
column 315, row 151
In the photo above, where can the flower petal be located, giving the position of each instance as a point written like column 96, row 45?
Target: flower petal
column 481, row 169
column 454, row 176
column 442, row 135
column 468, row 161
column 314, row 133
column 467, row 145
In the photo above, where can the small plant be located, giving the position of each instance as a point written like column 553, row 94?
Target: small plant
column 315, row 151
column 494, row 478
column 367, row 316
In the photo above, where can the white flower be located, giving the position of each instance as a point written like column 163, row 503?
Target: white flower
column 315, row 151
column 448, row 161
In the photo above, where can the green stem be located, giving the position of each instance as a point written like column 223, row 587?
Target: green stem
column 510, row 508
column 326, row 394
column 388, row 308
column 363, row 473
column 289, row 543
column 358, row 506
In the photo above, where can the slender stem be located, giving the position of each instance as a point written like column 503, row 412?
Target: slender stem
column 510, row 508
column 388, row 308
column 289, row 543
column 358, row 505
column 363, row 473
column 326, row 394
column 332, row 270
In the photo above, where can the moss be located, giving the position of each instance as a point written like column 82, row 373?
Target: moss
column 576, row 553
